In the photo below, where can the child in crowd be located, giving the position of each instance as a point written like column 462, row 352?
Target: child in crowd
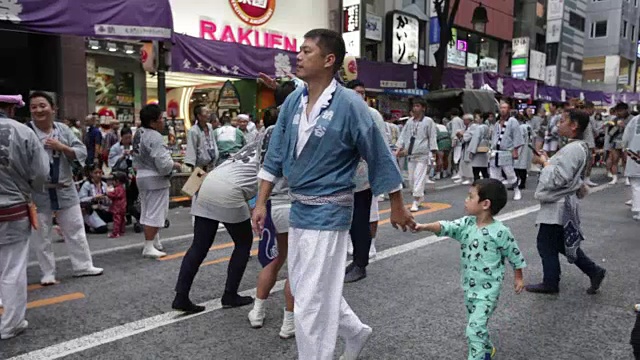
column 118, row 206
column 486, row 243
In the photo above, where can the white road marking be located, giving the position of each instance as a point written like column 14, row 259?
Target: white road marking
column 144, row 325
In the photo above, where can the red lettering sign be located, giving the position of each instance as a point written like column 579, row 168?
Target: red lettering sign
column 254, row 37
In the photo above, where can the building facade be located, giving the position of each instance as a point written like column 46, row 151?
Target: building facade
column 611, row 45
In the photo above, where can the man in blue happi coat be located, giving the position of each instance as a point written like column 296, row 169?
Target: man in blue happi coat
column 322, row 132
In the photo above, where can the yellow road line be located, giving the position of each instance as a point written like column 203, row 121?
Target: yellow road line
column 225, row 259
column 52, row 301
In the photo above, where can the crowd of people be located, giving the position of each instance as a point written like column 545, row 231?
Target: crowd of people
column 316, row 167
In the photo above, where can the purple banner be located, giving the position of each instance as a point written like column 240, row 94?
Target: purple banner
column 134, row 19
column 451, row 78
column 218, row 58
column 519, row 89
column 378, row 75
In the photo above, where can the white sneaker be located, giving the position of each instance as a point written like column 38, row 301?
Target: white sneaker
column 157, row 244
column 256, row 315
column 627, row 182
column 629, row 203
column 372, row 250
column 92, row 271
column 152, row 253
column 614, row 180
column 590, row 183
column 437, row 176
column 429, row 181
column 466, row 182
column 609, row 174
column 48, row 280
column 353, row 346
column 456, row 177
column 350, row 248
column 414, row 207
column 288, row 329
column 24, row 324
column 636, row 217
column 517, row 195
column 459, row 181
column 381, row 198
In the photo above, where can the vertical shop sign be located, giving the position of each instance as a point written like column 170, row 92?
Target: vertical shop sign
column 351, row 26
column 405, row 37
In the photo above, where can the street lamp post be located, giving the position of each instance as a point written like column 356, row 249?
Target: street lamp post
column 479, row 20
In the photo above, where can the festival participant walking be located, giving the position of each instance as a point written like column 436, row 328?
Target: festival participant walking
column 154, row 165
column 60, row 196
column 419, row 141
column 322, row 131
column 280, row 208
column 24, row 167
column 365, row 208
column 506, row 140
column 478, row 146
column 559, row 185
column 631, row 143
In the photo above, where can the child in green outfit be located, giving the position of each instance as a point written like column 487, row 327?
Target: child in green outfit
column 485, row 244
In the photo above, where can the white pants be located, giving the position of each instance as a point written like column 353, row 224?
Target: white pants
column 635, row 193
column 13, row 275
column 418, row 177
column 316, row 263
column 72, row 227
column 495, row 172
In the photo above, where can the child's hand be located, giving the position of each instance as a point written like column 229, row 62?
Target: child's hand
column 518, row 284
column 420, row 227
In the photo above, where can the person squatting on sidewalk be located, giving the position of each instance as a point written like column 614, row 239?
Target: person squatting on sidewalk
column 559, row 186
column 506, row 139
column 60, row 195
column 322, row 131
column 485, row 243
column 24, row 167
column 418, row 141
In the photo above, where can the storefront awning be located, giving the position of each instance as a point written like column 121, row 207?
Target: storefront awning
column 406, row 92
column 139, row 19
column 218, row 58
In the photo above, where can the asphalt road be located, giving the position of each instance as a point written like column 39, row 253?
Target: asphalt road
column 411, row 298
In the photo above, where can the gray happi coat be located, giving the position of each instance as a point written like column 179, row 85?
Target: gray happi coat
column 631, row 140
column 24, row 167
column 511, row 139
column 426, row 138
column 202, row 151
column 456, row 124
column 152, row 160
column 61, row 192
column 525, row 155
column 472, row 137
column 562, row 177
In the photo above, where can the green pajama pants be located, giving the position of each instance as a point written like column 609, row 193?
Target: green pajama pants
column 478, row 313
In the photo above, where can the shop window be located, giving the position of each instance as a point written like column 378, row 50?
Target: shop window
column 576, row 21
column 574, row 65
column 552, row 54
column 623, row 29
column 599, row 29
